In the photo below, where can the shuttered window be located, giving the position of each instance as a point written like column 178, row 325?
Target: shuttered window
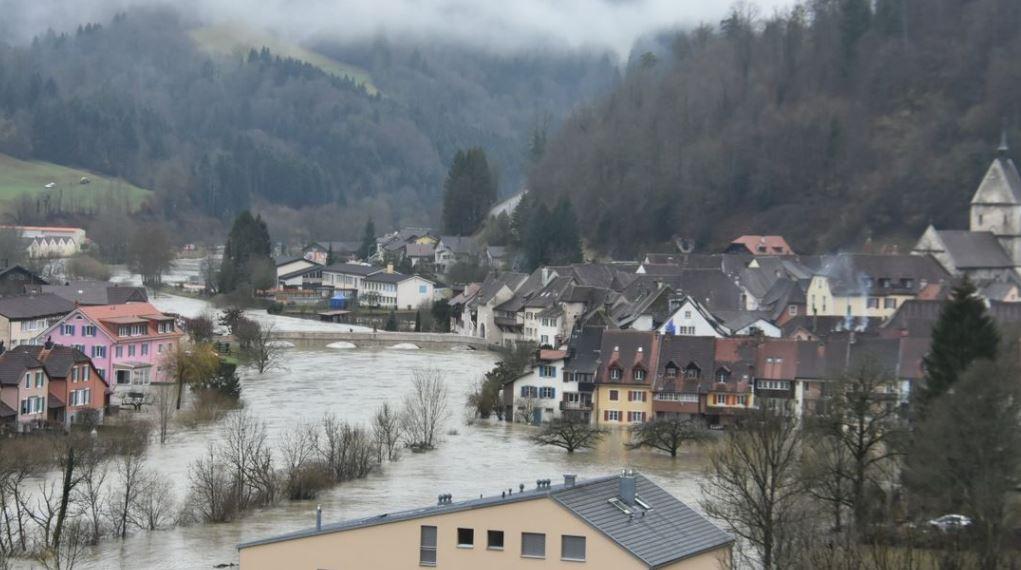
column 427, row 549
column 533, row 544
column 572, row 547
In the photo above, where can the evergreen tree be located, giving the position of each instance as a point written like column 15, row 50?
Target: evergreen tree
column 330, row 260
column 391, row 322
column 963, row 334
column 469, row 192
column 566, row 240
column 418, row 320
column 247, row 246
column 368, row 246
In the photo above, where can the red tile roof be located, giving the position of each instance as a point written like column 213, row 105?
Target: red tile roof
column 127, row 312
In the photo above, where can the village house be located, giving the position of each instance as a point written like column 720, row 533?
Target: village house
column 24, row 392
column 23, row 317
column 623, row 521
column 85, row 292
column 420, row 254
column 731, row 391
column 127, row 343
column 309, row 278
column 392, row 247
column 991, row 248
column 580, row 370
column 15, row 279
column 77, row 392
column 690, row 318
column 286, row 264
column 867, row 285
column 51, row 241
column 482, row 315
column 534, row 396
column 624, row 382
column 454, row 249
column 347, row 277
column 319, row 252
column 389, row 289
column 760, row 245
column 680, row 386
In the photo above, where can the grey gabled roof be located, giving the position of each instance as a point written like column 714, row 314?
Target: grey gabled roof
column 35, row 306
column 973, row 250
column 667, row 532
column 86, row 292
column 351, row 269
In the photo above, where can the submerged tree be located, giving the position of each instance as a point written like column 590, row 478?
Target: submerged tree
column 667, row 434
column 569, row 433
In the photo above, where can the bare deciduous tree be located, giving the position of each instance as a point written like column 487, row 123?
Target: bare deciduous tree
column 386, row 428
column 753, row 484
column 130, row 473
column 667, row 434
column 304, row 476
column 425, row 409
column 569, row 433
column 347, row 451
column 89, row 500
column 154, row 506
column 524, row 409
column 67, row 553
column 262, row 350
column 164, row 402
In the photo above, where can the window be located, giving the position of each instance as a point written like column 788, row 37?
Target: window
column 145, row 349
column 692, row 372
column 671, row 370
column 614, row 395
column 687, row 314
column 611, row 415
column 79, row 347
column 742, row 401
column 792, row 310
column 884, row 282
column 615, row 374
column 533, row 545
column 889, row 303
column 131, row 350
column 548, row 371
column 873, row 302
column 547, row 392
column 466, row 538
column 89, row 330
column 98, row 352
column 427, row 548
column 494, row 539
column 907, row 283
column 572, row 547
column 773, row 384
column 639, row 375
column 118, row 351
column 38, row 379
column 635, row 396
column 28, row 379
column 529, row 392
column 67, row 330
column 422, row 289
column 636, row 417
column 720, row 399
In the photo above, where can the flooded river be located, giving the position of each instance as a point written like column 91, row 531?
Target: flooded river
column 478, row 459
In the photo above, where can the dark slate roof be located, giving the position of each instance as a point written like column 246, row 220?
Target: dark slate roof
column 688, row 260
column 351, row 269
column 35, row 306
column 667, row 532
column 13, row 366
column 823, row 326
column 496, row 281
column 583, row 350
column 303, row 271
column 847, row 273
column 285, row 259
column 32, row 277
column 682, row 351
column 57, row 360
column 626, row 349
column 974, row 250
column 6, row 411
column 460, row 245
column 96, row 292
column 712, row 288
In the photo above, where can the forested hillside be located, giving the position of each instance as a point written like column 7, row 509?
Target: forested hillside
column 836, row 122
column 139, row 98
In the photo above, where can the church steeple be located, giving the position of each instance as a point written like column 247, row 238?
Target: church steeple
column 1004, row 150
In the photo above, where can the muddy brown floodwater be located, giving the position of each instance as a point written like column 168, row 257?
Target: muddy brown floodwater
column 479, row 459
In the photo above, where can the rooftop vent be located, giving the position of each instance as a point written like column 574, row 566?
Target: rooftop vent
column 570, row 480
column 445, row 499
column 542, row 483
column 627, row 487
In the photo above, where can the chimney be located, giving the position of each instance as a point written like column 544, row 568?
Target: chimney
column 570, row 479
column 627, row 487
column 319, row 518
column 389, row 268
column 49, row 343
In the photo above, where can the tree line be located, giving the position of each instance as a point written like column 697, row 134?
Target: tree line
column 856, row 118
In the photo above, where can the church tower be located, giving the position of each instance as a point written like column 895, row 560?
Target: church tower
column 996, row 206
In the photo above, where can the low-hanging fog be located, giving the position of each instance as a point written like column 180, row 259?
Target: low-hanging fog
column 492, row 24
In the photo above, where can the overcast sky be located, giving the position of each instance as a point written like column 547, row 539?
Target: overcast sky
column 499, row 24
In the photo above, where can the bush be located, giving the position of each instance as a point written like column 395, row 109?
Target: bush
column 275, row 308
column 86, row 267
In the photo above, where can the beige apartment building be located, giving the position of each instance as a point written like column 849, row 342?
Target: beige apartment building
column 620, row 522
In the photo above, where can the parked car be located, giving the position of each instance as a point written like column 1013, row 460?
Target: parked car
column 948, row 523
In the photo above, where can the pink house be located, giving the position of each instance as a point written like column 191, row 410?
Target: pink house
column 128, row 343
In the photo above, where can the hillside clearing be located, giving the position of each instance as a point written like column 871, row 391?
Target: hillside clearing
column 235, row 41
column 22, row 177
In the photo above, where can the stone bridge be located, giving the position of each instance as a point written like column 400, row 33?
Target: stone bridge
column 309, row 339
